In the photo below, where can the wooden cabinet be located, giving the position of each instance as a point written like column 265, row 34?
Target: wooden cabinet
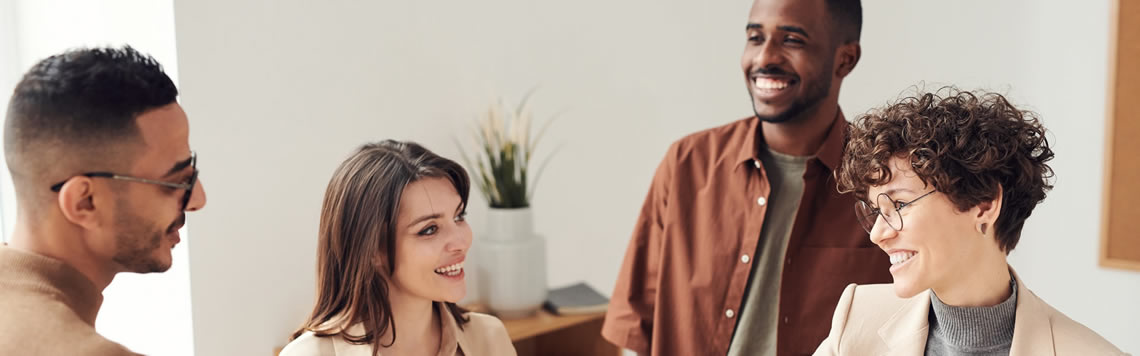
column 553, row 335
column 1120, row 238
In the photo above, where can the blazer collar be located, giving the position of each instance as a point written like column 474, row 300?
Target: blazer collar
column 829, row 153
column 451, row 337
column 1031, row 325
column 906, row 331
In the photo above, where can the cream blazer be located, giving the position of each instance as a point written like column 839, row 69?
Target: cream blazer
column 484, row 335
column 872, row 320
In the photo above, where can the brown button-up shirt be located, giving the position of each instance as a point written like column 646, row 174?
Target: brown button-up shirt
column 684, row 275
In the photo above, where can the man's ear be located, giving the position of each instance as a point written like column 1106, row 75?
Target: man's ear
column 988, row 212
column 846, row 57
column 78, row 202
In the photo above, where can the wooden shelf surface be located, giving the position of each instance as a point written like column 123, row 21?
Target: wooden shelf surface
column 544, row 322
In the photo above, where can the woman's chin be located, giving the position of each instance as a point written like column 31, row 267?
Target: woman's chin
column 455, row 296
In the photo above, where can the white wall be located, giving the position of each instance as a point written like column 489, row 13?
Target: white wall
column 1061, row 242
column 10, row 67
column 279, row 93
column 146, row 313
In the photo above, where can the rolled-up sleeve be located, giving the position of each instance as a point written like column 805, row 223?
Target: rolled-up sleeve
column 629, row 319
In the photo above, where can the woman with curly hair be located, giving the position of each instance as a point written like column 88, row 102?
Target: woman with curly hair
column 945, row 182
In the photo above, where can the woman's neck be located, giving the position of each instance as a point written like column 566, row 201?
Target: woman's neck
column 417, row 323
column 984, row 285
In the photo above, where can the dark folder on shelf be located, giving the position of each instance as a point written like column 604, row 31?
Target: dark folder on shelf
column 576, row 299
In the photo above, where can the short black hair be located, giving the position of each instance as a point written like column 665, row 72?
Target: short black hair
column 80, row 101
column 848, row 17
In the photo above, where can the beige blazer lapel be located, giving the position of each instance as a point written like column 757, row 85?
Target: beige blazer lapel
column 905, row 332
column 1032, row 329
column 451, row 338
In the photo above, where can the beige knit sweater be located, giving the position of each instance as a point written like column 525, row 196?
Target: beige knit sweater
column 48, row 308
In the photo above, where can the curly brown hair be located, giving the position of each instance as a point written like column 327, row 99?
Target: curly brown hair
column 967, row 145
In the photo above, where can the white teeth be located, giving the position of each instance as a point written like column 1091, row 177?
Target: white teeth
column 766, row 83
column 900, row 257
column 451, row 270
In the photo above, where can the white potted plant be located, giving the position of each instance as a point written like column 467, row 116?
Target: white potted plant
column 511, row 256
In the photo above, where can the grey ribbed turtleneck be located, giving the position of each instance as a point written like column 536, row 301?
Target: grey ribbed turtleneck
column 981, row 331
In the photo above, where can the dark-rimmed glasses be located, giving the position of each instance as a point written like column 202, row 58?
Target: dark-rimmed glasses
column 887, row 208
column 188, row 186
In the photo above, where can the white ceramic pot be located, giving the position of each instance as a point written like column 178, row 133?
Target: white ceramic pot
column 512, row 264
column 504, row 225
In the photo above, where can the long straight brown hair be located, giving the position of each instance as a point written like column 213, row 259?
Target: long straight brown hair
column 356, row 252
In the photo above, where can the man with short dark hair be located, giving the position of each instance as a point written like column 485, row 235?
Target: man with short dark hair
column 744, row 245
column 99, row 152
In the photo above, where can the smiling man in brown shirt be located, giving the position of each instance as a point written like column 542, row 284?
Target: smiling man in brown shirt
column 743, row 245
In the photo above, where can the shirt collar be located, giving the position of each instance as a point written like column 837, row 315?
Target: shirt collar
column 829, row 153
column 452, row 338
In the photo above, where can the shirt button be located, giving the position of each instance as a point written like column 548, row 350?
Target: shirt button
column 761, row 201
column 756, row 163
column 744, row 259
column 785, row 320
column 729, row 313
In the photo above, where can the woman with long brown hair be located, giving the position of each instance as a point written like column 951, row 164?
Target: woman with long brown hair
column 392, row 242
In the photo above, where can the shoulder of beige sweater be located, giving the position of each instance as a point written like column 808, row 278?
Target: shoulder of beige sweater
column 309, row 344
column 70, row 336
column 100, row 346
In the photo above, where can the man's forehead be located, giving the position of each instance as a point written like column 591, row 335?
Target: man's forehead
column 165, row 134
column 786, row 12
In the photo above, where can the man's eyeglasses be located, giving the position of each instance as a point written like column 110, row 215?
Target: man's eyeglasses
column 888, row 209
column 188, row 186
